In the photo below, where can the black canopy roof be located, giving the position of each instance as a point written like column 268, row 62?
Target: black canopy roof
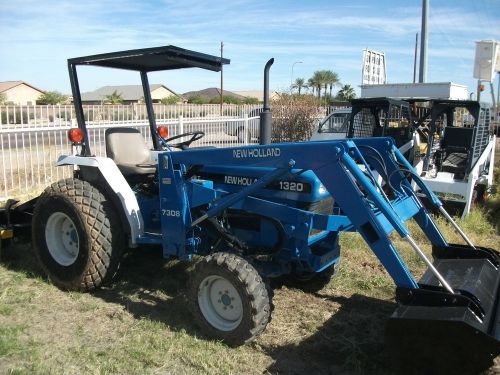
column 153, row 59
column 377, row 102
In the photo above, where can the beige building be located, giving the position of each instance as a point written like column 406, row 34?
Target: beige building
column 129, row 93
column 19, row 92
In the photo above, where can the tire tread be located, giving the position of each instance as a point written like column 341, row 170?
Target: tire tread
column 255, row 290
column 101, row 226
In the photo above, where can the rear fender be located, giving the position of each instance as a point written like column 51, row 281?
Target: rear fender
column 119, row 187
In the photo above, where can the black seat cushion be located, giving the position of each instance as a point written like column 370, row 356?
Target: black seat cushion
column 456, row 162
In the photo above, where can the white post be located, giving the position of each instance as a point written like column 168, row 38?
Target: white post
column 181, row 125
column 246, row 129
column 492, row 161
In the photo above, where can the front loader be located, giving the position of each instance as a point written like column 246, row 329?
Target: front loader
column 259, row 212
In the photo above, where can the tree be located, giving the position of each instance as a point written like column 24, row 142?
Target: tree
column 311, row 85
column 113, row 98
column 52, row 97
column 250, row 100
column 300, row 83
column 3, row 98
column 322, row 79
column 198, row 99
column 294, row 117
column 346, row 93
column 332, row 79
column 172, row 99
column 317, row 81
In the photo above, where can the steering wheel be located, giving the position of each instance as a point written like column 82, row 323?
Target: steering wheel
column 185, row 144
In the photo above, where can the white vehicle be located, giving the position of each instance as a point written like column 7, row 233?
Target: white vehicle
column 334, row 126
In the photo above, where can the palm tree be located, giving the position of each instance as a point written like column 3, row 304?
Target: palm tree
column 311, row 85
column 332, row 79
column 113, row 98
column 318, row 80
column 346, row 93
column 299, row 84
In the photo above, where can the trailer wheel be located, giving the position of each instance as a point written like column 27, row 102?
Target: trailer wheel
column 77, row 236
column 312, row 281
column 229, row 299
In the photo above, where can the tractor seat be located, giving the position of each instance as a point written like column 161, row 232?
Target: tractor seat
column 127, row 148
column 455, row 162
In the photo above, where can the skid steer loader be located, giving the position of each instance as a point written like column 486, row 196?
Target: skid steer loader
column 258, row 212
column 459, row 149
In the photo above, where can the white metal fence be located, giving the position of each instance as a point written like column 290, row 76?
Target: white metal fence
column 33, row 137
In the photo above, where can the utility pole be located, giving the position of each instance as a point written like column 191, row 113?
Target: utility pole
column 423, row 42
column 221, row 77
column 415, row 60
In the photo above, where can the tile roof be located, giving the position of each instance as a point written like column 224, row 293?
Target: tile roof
column 7, row 85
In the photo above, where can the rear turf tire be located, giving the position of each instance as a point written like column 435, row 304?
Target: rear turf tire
column 228, row 298
column 77, row 235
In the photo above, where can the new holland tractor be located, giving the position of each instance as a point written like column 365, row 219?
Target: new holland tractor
column 259, row 212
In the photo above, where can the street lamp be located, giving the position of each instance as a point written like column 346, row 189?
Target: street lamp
column 291, row 75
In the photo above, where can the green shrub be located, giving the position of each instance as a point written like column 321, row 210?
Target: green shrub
column 198, row 100
column 250, row 100
column 52, row 97
column 172, row 99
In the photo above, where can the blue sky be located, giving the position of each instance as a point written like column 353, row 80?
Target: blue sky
column 37, row 37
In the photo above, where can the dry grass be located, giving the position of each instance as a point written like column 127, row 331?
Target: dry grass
column 140, row 324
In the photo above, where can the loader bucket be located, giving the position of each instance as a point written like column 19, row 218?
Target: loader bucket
column 444, row 332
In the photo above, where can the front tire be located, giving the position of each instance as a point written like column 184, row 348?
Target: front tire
column 77, row 235
column 229, row 299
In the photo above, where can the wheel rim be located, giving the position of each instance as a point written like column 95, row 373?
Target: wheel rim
column 62, row 239
column 220, row 303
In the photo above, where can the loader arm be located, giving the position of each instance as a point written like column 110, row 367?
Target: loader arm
column 455, row 301
column 363, row 206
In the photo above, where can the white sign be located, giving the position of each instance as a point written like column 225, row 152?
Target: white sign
column 374, row 72
column 487, row 60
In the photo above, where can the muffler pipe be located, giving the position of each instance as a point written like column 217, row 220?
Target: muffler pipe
column 455, row 225
column 265, row 130
column 429, row 264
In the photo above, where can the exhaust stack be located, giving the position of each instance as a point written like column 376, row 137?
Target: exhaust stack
column 266, row 116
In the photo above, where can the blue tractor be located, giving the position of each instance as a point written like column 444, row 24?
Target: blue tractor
column 259, row 212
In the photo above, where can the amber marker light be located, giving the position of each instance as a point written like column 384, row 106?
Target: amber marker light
column 75, row 135
column 163, row 132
